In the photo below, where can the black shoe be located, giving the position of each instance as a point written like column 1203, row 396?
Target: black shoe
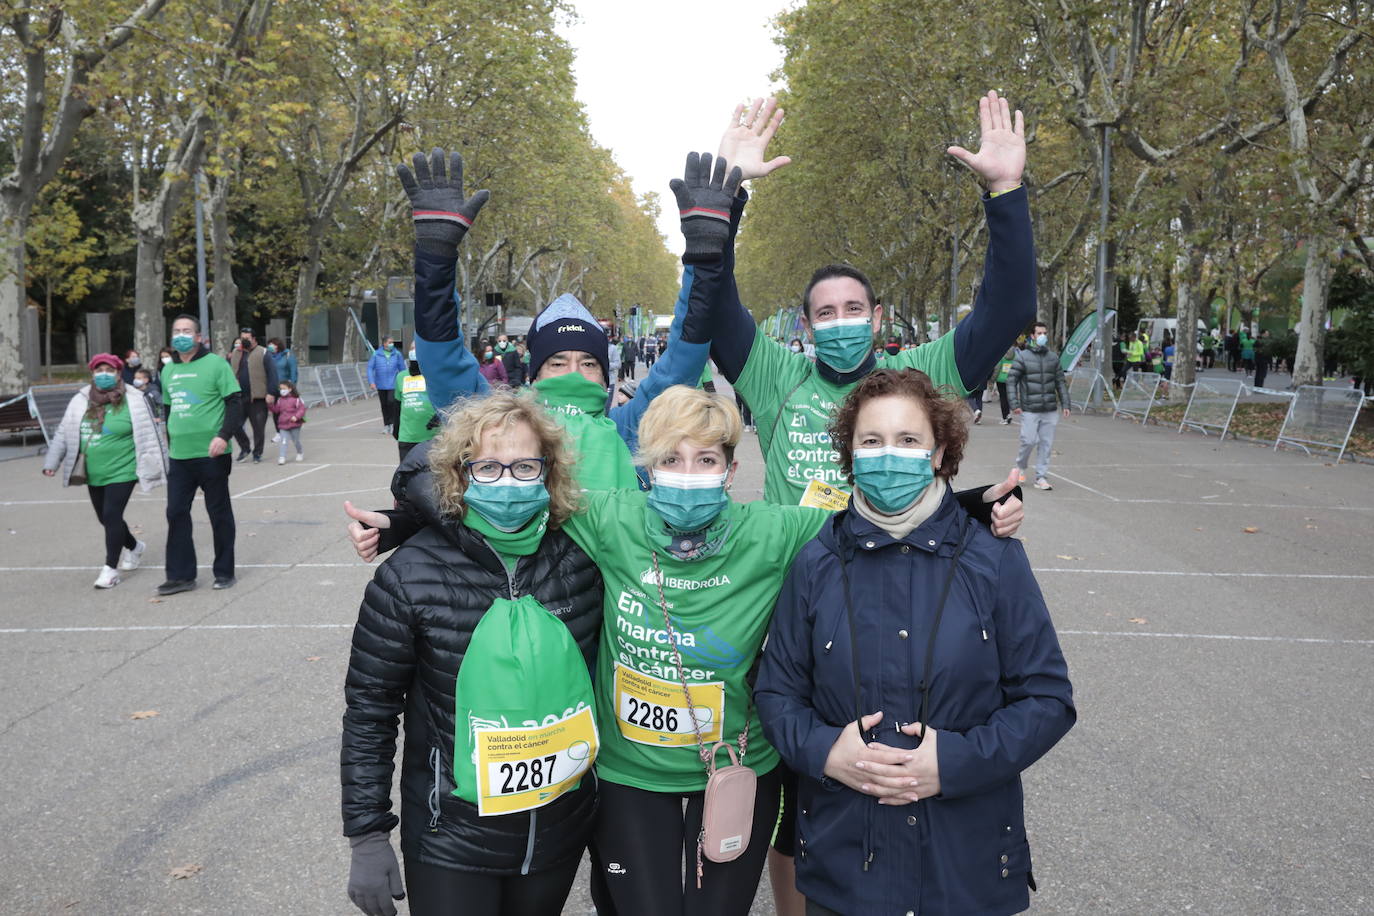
column 173, row 586
column 257, row 459
column 224, row 582
column 243, row 455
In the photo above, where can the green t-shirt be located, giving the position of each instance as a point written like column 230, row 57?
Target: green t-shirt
column 792, row 435
column 416, row 410
column 195, row 393
column 110, row 455
column 1003, row 368
column 720, row 608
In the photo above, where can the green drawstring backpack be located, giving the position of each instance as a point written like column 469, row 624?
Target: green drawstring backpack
column 523, row 717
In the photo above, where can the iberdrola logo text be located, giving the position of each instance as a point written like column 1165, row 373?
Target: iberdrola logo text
column 649, row 577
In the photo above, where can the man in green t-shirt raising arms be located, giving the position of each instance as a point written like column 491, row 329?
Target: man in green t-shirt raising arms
column 794, row 399
column 203, row 409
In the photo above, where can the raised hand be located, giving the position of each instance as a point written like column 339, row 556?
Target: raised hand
column 1001, row 156
column 703, row 201
column 441, row 213
column 746, row 138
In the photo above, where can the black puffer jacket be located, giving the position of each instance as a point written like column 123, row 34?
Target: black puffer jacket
column 1035, row 381
column 416, row 620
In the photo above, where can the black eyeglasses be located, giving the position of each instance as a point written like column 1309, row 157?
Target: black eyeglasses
column 489, row 471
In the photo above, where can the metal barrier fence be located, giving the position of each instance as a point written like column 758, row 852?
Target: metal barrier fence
column 47, row 404
column 1084, row 384
column 1137, row 395
column 308, row 386
column 332, row 383
column 354, row 384
column 1211, row 405
column 1322, row 418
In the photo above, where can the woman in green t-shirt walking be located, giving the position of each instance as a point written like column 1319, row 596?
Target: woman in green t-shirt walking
column 109, row 429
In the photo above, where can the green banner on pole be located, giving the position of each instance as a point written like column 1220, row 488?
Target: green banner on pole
column 1082, row 336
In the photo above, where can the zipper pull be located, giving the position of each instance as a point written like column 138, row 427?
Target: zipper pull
column 985, row 634
column 832, row 642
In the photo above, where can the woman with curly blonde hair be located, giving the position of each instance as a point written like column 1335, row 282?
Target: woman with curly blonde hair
column 496, row 494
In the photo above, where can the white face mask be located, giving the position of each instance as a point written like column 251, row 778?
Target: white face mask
column 139, row 383
column 285, row 392
column 166, row 360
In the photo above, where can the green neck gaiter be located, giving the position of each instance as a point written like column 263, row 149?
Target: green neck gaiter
column 520, row 543
column 572, row 393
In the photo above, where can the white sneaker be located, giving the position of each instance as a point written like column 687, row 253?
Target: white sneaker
column 276, row 438
column 300, row 456
column 281, row 459
column 108, row 578
column 129, row 559
column 1042, row 484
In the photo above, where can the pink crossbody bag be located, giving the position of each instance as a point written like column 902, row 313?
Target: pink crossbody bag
column 727, row 816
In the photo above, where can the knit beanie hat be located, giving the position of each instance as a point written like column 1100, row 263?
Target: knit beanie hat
column 566, row 325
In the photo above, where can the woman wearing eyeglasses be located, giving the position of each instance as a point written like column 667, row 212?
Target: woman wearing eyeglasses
column 911, row 674
column 497, row 802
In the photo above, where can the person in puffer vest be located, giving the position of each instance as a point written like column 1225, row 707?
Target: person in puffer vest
column 1038, row 392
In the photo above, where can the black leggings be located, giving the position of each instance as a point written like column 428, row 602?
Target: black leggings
column 436, row 891
column 109, row 502
column 645, row 846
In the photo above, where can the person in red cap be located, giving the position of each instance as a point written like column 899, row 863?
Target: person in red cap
column 108, row 439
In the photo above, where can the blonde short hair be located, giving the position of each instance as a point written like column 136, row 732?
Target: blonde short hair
column 687, row 413
column 465, row 424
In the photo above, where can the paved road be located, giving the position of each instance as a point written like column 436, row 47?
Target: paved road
column 1221, row 764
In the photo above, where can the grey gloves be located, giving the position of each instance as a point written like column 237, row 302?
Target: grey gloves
column 374, row 878
column 703, row 200
column 442, row 215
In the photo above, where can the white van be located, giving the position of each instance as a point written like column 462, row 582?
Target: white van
column 1154, row 328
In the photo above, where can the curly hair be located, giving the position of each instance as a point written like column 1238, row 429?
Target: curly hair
column 681, row 412
column 465, row 424
column 948, row 417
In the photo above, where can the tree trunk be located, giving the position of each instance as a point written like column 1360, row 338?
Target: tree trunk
column 224, row 292
column 1185, row 336
column 1309, row 363
column 306, row 278
column 13, row 225
column 149, row 279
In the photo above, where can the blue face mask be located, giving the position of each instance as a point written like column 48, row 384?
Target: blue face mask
column 1041, row 340
column 105, row 380
column 844, row 343
column 892, row 478
column 508, row 504
column 688, row 502
column 183, row 343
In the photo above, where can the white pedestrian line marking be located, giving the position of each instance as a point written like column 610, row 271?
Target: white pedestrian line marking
column 318, row 467
column 1224, row 636
column 1084, row 486
column 164, row 628
column 1037, row 570
column 160, row 498
column 1189, row 502
column 201, row 566
column 372, row 419
column 1220, row 575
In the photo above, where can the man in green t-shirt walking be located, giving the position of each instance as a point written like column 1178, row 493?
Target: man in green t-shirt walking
column 204, row 408
column 417, row 421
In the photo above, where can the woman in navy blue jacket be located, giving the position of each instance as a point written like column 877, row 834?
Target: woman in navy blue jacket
column 911, row 770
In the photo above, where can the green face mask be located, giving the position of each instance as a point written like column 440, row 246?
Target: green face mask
column 892, row 478
column 572, row 389
column 183, row 343
column 105, row 380
column 844, row 343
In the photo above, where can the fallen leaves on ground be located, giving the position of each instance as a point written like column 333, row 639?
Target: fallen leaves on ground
column 313, row 658
column 186, row 871
column 1250, row 530
column 155, row 600
column 144, row 714
column 1138, row 620
column 1065, row 556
